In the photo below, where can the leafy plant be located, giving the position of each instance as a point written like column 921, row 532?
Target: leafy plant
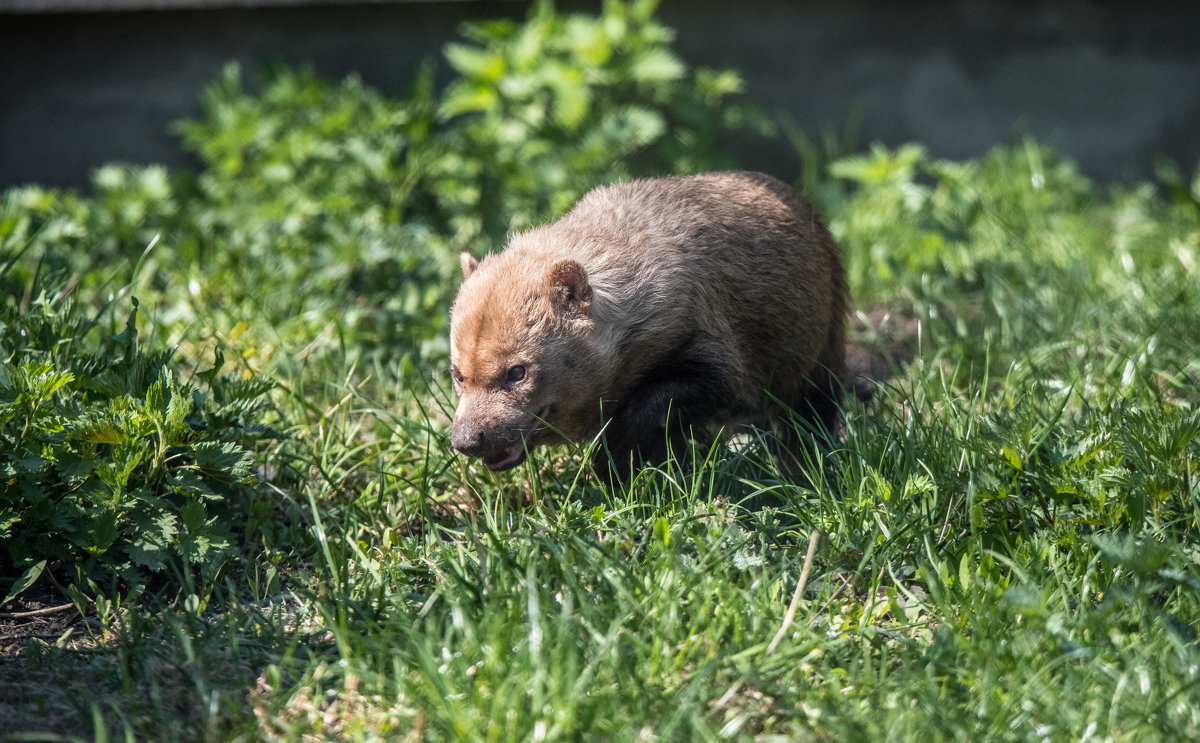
column 544, row 110
column 114, row 470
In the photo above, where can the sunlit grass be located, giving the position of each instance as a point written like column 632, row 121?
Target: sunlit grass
column 1007, row 541
column 1006, row 528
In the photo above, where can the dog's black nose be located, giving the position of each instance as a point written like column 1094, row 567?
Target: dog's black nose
column 468, row 438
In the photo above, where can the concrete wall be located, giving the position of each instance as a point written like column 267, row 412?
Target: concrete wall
column 1110, row 84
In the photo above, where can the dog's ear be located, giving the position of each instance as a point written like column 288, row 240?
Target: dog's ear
column 468, row 263
column 569, row 287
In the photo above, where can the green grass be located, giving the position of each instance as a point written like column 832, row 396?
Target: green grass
column 1008, row 527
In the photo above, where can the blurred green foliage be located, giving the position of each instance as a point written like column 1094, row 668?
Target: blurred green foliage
column 321, row 232
column 1009, row 523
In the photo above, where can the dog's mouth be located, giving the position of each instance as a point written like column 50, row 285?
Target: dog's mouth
column 516, row 454
column 506, row 459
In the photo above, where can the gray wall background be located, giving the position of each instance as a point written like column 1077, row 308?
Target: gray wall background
column 1111, row 84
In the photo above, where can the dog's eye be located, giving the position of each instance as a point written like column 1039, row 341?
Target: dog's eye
column 456, row 375
column 516, row 374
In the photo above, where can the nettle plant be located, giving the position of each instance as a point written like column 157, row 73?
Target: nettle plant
column 334, row 189
column 544, row 110
column 116, row 474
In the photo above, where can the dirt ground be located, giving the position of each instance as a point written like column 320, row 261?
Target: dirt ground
column 34, row 695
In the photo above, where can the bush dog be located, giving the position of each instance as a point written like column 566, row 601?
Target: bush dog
column 654, row 310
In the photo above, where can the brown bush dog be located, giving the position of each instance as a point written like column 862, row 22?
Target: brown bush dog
column 653, row 308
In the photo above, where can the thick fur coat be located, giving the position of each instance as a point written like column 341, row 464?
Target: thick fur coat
column 653, row 309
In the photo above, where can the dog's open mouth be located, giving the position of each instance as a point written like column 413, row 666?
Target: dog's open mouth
column 510, row 457
column 505, row 459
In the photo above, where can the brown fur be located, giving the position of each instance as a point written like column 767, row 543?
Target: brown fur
column 651, row 308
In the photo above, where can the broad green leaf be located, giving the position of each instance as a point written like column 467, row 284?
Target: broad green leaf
column 225, row 460
column 193, row 515
column 474, row 62
column 104, row 532
column 655, row 65
column 149, row 555
column 467, row 97
column 24, row 581
column 662, row 531
column 104, row 434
